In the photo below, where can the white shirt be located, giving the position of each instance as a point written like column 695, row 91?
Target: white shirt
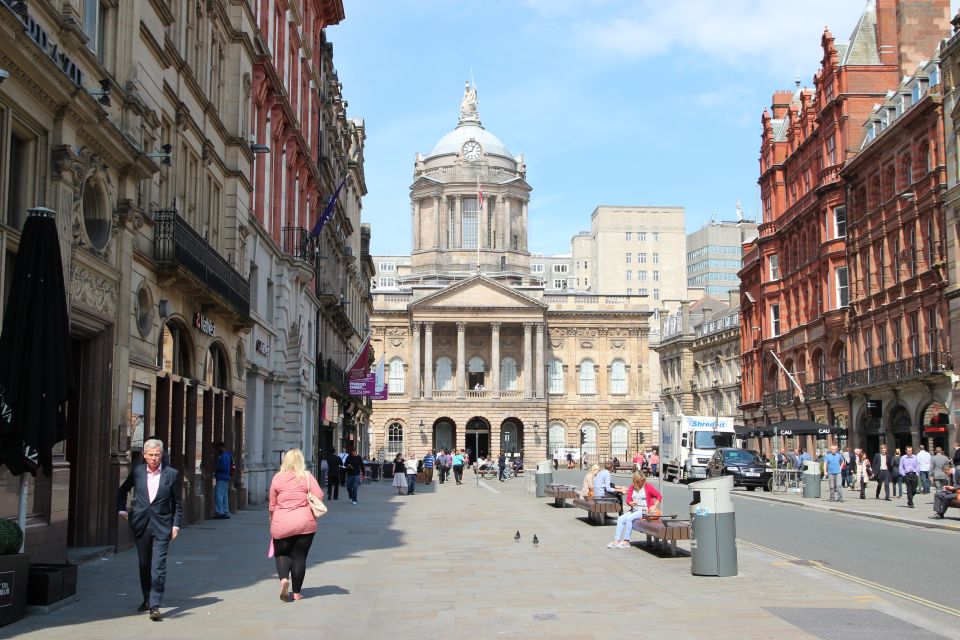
column 411, row 466
column 923, row 460
column 153, row 482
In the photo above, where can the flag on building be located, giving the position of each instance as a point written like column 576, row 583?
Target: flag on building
column 360, row 365
column 479, row 195
column 327, row 211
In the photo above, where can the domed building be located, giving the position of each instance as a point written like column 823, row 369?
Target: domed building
column 478, row 354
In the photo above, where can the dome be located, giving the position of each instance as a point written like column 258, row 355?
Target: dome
column 451, row 143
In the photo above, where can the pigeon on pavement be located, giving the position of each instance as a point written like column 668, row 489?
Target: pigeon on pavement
column 536, row 540
column 516, row 538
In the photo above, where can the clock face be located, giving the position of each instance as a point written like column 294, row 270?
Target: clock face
column 471, row 150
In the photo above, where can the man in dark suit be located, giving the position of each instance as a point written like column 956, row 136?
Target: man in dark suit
column 883, row 471
column 154, row 519
column 335, row 468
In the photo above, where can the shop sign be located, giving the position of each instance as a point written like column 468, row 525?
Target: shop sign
column 262, row 347
column 50, row 48
column 204, row 324
column 930, row 430
column 874, row 408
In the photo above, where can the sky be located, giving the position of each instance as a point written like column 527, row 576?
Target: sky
column 617, row 102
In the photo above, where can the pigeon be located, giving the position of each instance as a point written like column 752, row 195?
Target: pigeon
column 516, row 538
column 536, row 540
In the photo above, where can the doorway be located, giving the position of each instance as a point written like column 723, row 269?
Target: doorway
column 444, row 436
column 478, row 438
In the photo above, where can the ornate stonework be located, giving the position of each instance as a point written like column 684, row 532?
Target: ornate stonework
column 93, row 291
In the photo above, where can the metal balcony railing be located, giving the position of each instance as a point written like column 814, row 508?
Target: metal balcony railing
column 909, row 368
column 331, row 373
column 178, row 245
column 298, row 243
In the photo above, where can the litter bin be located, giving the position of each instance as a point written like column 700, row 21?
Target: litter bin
column 544, row 477
column 811, row 479
column 713, row 539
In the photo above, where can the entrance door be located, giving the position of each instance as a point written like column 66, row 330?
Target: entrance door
column 478, row 443
column 443, row 436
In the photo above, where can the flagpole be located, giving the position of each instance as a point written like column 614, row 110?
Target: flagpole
column 479, row 217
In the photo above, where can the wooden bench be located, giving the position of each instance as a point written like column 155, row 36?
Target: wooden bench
column 664, row 533
column 561, row 493
column 488, row 472
column 597, row 510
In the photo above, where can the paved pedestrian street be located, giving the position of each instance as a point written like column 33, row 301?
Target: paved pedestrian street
column 443, row 563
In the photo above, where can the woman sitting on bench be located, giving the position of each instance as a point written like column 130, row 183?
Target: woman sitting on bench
column 640, row 498
column 603, row 488
column 586, row 491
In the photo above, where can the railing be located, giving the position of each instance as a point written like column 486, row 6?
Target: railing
column 915, row 367
column 510, row 393
column 444, row 393
column 298, row 242
column 330, row 372
column 824, row 389
column 177, row 244
column 477, row 394
column 777, row 398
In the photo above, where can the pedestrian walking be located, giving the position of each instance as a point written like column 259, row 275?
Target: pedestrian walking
column 458, row 467
column 501, row 466
column 569, row 460
column 353, row 467
column 942, row 499
column 908, row 471
column 641, row 498
column 792, row 462
column 429, row 461
column 410, row 469
column 864, row 474
column 846, row 474
column 154, row 520
column 324, row 470
column 556, row 459
column 292, row 523
column 399, row 474
column 939, row 464
column 222, row 472
column 334, row 465
column 802, row 458
column 896, row 478
column 654, row 463
column 923, row 468
column 835, row 465
column 882, row 468
column 343, row 467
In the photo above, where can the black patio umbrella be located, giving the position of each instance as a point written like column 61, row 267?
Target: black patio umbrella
column 36, row 374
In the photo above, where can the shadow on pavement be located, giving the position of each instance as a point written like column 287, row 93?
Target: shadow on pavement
column 326, row 590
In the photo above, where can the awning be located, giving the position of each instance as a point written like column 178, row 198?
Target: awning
column 789, row 428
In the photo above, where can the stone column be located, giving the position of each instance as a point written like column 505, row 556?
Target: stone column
column 527, row 360
column 539, row 361
column 437, row 217
column 428, row 360
column 495, row 358
column 461, row 365
column 524, row 221
column 415, row 392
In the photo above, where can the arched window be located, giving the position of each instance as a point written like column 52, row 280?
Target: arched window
column 588, row 377
column 215, row 368
column 396, row 377
column 475, row 373
column 618, row 377
column 444, row 376
column 508, row 374
column 557, row 437
column 173, row 350
column 618, row 440
column 588, row 431
column 555, row 376
column 395, row 438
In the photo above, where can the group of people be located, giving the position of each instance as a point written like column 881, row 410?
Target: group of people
column 156, row 513
column 640, row 498
column 646, row 462
column 344, row 469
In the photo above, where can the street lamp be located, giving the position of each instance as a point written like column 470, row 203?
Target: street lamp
column 536, row 428
column 421, row 428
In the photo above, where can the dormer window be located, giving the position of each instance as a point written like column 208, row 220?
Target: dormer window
column 934, row 77
column 871, row 131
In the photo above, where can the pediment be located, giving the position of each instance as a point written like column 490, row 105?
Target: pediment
column 478, row 293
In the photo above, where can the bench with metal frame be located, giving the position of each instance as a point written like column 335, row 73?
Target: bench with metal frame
column 561, row 493
column 664, row 532
column 597, row 510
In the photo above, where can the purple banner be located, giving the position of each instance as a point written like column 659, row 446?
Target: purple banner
column 383, row 394
column 363, row 386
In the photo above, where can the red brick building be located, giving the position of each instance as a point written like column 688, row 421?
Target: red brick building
column 795, row 281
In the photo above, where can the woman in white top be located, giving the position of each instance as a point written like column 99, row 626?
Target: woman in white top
column 640, row 498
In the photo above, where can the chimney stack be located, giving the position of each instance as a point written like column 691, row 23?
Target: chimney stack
column 908, row 31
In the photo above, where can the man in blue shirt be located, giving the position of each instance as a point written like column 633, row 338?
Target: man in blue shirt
column 222, row 476
column 803, row 457
column 835, row 463
column 428, row 461
column 908, row 469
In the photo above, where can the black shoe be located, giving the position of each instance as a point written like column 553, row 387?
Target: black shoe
column 936, row 516
column 155, row 614
column 887, row 499
column 143, row 607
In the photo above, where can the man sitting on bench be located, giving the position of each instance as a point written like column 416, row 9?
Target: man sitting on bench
column 942, row 499
column 640, row 499
column 603, row 488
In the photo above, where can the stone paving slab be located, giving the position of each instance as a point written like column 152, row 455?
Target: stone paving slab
column 416, row 566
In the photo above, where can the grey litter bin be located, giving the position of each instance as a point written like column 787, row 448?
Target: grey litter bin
column 544, row 477
column 713, row 538
column 811, row 479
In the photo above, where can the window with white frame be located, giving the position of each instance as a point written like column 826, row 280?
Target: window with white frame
column 618, row 377
column 395, row 439
column 559, row 284
column 396, row 380
column 629, row 291
column 656, row 276
column 629, row 258
column 588, row 377
column 642, row 258
column 628, row 236
column 557, row 437
column 656, row 294
column 656, row 237
column 471, row 217
column 536, row 268
column 387, row 267
column 843, row 291
column 443, row 379
column 555, row 376
column 386, row 282
column 839, row 222
column 629, row 275
column 774, row 320
column 618, row 440
column 508, row 374
column 643, row 291
column 642, row 236
column 560, row 268
column 656, row 258
column 642, row 276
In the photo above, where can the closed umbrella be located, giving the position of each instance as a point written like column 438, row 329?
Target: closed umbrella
column 35, row 364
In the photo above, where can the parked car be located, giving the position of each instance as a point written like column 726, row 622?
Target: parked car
column 747, row 468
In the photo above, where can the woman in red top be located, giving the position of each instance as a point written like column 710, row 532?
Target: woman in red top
column 292, row 524
column 641, row 497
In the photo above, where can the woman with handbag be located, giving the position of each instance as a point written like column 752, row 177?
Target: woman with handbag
column 641, row 498
column 864, row 473
column 295, row 505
